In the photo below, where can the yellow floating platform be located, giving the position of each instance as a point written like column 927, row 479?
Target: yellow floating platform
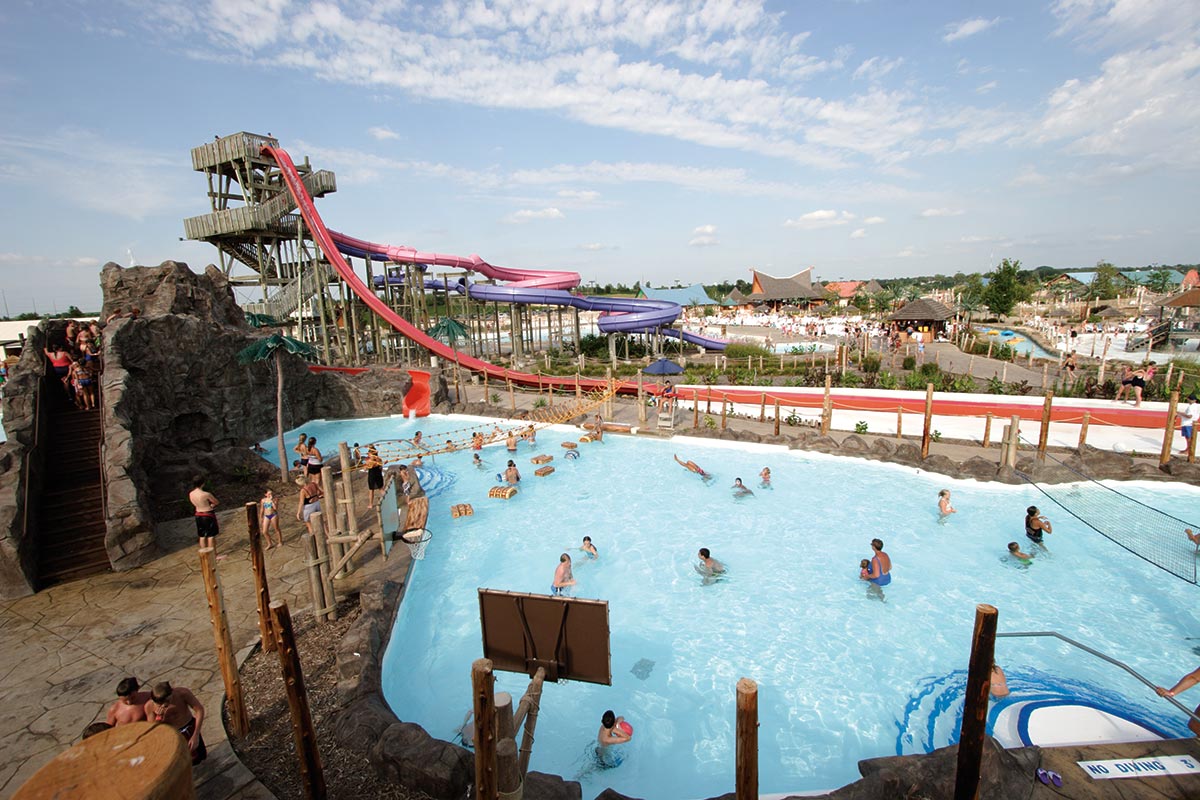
column 542, row 472
column 462, row 510
column 541, row 459
column 570, row 445
column 502, row 492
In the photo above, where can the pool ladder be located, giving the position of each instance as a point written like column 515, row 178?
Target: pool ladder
column 1103, row 657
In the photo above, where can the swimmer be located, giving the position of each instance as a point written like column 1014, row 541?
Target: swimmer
column 510, row 442
column 880, row 574
column 598, row 429
column 944, row 507
column 999, row 682
column 450, row 448
column 478, row 462
column 562, row 575
column 530, row 435
column 1035, row 526
column 708, row 565
column 589, row 548
column 512, row 475
column 864, row 569
column 417, row 442
column 1014, row 550
column 765, row 477
column 692, row 466
column 613, row 730
column 740, row 489
column 477, row 441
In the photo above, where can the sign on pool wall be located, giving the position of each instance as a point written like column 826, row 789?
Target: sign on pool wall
column 1140, row 767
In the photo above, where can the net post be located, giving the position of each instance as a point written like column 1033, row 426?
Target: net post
column 762, row 407
column 724, row 409
column 1083, row 430
column 746, row 763
column 777, row 416
column 987, row 431
column 641, row 399
column 1191, row 450
column 900, row 422
column 1044, row 431
column 695, row 409
column 926, row 433
column 827, row 407
column 1169, row 431
column 482, row 681
column 1013, row 441
column 974, row 721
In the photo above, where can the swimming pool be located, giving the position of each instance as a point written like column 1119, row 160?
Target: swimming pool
column 1022, row 347
column 841, row 677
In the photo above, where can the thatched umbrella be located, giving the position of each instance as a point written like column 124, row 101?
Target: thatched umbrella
column 1061, row 313
column 274, row 346
column 1112, row 312
column 1187, row 299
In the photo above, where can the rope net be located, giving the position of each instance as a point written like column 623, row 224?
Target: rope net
column 1145, row 531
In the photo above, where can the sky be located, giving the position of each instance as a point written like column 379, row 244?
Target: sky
column 673, row 141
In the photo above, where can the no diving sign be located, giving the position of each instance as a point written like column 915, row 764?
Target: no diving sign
column 1140, row 767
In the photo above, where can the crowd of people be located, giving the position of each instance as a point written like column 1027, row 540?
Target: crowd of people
column 75, row 360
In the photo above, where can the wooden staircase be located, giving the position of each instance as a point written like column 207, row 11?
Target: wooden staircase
column 71, row 527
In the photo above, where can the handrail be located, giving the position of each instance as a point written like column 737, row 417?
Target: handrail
column 1103, row 657
column 102, row 450
column 31, row 451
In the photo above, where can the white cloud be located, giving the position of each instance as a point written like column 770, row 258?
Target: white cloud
column 930, row 213
column 1028, row 176
column 968, row 27
column 529, row 215
column 987, row 87
column 597, row 246
column 874, row 220
column 703, row 241
column 382, row 133
column 579, row 195
column 705, row 229
column 907, row 252
column 876, row 67
column 822, row 218
column 858, row 233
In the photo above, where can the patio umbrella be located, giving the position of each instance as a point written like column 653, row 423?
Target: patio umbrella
column 664, row 366
column 262, row 320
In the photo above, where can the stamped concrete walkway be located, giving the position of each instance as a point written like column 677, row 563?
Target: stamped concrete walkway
column 63, row 650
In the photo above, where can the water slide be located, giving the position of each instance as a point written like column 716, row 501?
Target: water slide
column 325, row 240
column 621, row 314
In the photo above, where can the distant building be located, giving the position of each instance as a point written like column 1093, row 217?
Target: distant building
column 845, row 291
column 797, row 290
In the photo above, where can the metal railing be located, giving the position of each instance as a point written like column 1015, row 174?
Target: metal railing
column 1102, row 657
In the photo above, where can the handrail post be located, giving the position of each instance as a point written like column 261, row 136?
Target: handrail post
column 1169, row 432
column 746, row 757
column 974, row 721
column 1044, row 431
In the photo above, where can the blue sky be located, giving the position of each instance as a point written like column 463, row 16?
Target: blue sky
column 662, row 141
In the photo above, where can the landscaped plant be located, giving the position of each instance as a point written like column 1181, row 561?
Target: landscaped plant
column 871, row 363
column 709, row 422
column 539, row 403
column 910, row 362
column 860, row 427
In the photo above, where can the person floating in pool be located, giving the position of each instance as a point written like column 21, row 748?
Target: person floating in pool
column 692, row 466
column 709, row 567
column 1014, row 550
column 740, row 489
column 562, row 576
column 944, row 507
column 1185, row 683
column 765, row 477
column 1035, row 526
column 478, row 462
column 880, row 574
column 589, row 548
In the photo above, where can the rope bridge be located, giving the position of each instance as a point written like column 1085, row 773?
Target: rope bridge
column 1145, row 531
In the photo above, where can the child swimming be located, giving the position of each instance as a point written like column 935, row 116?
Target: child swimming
column 864, row 568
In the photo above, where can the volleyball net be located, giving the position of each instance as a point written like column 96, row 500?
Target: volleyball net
column 1149, row 533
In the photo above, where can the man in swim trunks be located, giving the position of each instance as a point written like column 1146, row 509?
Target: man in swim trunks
column 880, row 574
column 206, row 518
column 709, row 565
column 1185, row 683
column 512, row 475
column 180, row 709
column 1035, row 526
column 562, row 575
column 130, row 705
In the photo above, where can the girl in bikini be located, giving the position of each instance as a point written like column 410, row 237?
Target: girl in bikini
column 270, row 519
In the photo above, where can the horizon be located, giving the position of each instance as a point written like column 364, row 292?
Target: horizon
column 660, row 143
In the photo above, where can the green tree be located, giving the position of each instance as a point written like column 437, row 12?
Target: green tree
column 1159, row 281
column 1104, row 285
column 1004, row 289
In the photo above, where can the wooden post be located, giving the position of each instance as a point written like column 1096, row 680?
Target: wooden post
column 695, row 409
column 336, row 515
column 312, row 774
column 777, row 416
column 258, row 565
column 1045, row 373
column 512, row 396
column 608, row 385
column 316, row 586
column 1170, row 369
column 724, row 409
column 927, row 434
column 1103, row 361
column 347, row 497
column 971, row 367
column 484, row 705
column 1044, row 431
column 708, row 400
column 1169, row 432
column 1004, row 373
column 317, row 521
column 508, row 768
column 1028, row 363
column 746, row 757
column 1004, row 444
column 974, row 721
column 987, row 431
column 578, row 388
column 762, row 408
column 530, row 703
column 239, row 722
column 899, row 422
column 1083, row 428
column 1191, row 450
column 827, row 407
column 1014, row 443
column 989, row 352
column 641, row 399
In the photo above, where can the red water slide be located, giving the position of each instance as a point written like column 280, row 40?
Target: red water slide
column 315, row 224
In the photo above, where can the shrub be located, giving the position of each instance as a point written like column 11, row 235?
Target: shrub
column 996, row 386
column 929, row 370
column 709, row 422
column 914, row 381
column 888, row 381
column 740, row 350
column 871, row 363
column 860, row 427
column 539, row 403
column 910, row 362
column 851, row 379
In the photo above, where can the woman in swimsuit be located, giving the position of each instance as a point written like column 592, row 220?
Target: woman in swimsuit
column 270, row 518
column 301, row 450
column 315, row 462
column 881, row 566
column 1139, row 383
column 1126, row 382
column 310, row 503
column 374, row 468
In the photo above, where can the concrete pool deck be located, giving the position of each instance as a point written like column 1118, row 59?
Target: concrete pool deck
column 63, row 650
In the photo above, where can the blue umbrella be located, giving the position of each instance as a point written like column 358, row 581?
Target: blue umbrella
column 664, row 366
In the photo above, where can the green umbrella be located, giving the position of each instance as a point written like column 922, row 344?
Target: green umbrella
column 448, row 330
column 262, row 320
column 264, row 349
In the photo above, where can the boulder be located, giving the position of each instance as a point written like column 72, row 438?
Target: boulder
column 407, row 755
column 854, row 445
column 908, row 454
column 1101, row 463
column 540, row 786
column 1003, row 773
column 979, row 468
column 1179, row 468
column 883, row 448
column 822, row 444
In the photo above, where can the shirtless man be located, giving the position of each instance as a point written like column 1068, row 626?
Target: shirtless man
column 740, row 489
column 611, row 732
column 562, row 575
column 180, row 709
column 510, row 442
column 709, row 565
column 512, row 475
column 130, row 705
column 206, row 518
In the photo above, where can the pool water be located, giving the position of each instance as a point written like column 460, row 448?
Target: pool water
column 1005, row 336
column 842, row 676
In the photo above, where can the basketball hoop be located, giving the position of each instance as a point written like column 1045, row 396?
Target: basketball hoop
column 416, row 539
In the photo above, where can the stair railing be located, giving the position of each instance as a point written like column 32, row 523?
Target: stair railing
column 1102, row 657
column 102, row 450
column 33, row 451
